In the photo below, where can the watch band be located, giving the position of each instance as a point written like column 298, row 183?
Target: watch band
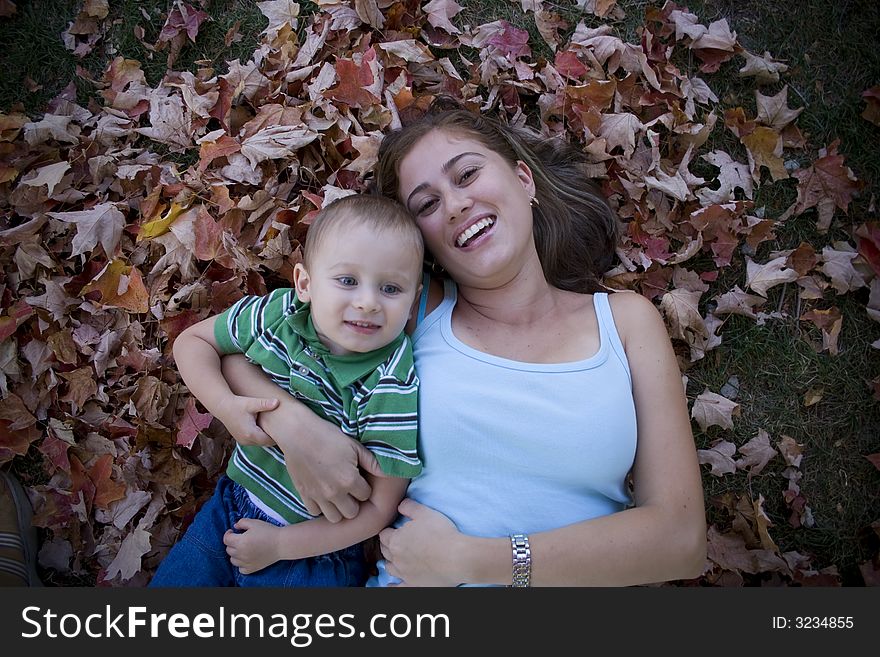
column 522, row 560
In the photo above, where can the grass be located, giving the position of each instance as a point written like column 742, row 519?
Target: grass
column 832, row 57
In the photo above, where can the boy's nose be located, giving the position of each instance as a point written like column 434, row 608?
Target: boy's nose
column 367, row 301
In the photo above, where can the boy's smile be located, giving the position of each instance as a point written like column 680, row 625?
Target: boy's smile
column 361, row 284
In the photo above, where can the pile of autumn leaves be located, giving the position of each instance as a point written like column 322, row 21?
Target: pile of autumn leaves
column 111, row 248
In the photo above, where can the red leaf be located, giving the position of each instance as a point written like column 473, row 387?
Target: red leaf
column 869, row 244
column 875, row 459
column 182, row 18
column 106, row 489
column 512, row 42
column 15, row 316
column 191, row 423
column 353, row 80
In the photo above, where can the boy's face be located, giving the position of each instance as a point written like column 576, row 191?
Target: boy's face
column 362, row 285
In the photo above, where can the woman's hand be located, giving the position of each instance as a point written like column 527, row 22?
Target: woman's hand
column 419, row 551
column 255, row 548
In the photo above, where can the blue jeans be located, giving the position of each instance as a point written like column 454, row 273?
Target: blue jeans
column 199, row 559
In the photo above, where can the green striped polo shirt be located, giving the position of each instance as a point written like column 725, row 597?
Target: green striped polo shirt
column 372, row 396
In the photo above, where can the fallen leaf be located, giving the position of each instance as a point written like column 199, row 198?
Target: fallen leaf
column 719, row 456
column 761, row 278
column 813, row 396
column 103, row 223
column 756, row 453
column 127, row 562
column 874, row 459
column 872, row 105
column 765, row 69
column 191, row 423
column 440, row 14
column 711, row 409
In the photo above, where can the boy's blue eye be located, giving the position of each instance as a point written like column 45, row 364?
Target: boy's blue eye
column 391, row 289
column 347, row 281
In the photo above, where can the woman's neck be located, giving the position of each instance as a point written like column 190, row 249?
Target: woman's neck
column 522, row 300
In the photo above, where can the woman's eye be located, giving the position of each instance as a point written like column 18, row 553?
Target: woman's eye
column 391, row 289
column 467, row 174
column 347, row 281
column 427, row 205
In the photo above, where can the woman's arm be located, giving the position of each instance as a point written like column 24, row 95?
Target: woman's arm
column 662, row 538
column 261, row 544
column 322, row 461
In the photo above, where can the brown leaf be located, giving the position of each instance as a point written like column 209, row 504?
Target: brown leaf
column 838, row 266
column 711, row 409
column 719, row 456
column 440, row 13
column 106, row 489
column 826, row 184
column 121, row 286
column 764, row 147
column 356, row 81
column 830, row 322
column 762, row 277
column 757, row 453
column 791, row 451
column 103, row 223
column 150, row 398
column 874, row 459
column 280, row 13
column 765, row 69
column 182, row 18
column 127, row 562
column 191, row 423
column 773, row 111
column 81, row 387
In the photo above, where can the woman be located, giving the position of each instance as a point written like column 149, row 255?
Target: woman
column 540, row 395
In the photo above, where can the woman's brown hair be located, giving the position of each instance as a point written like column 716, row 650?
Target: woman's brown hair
column 575, row 229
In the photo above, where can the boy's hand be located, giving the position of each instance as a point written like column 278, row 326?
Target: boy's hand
column 239, row 416
column 255, row 548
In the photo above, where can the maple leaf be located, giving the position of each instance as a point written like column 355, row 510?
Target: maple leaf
column 278, row 141
column 765, row 69
column 120, row 512
column 127, row 562
column 829, row 321
column 719, row 456
column 191, row 423
column 182, row 18
column 737, row 302
column 170, row 121
column 730, row 552
column 874, row 459
column 121, row 286
column 826, row 184
column 757, row 453
column 761, row 278
column 369, row 13
column 773, row 111
column 764, row 148
column 103, row 223
column 280, row 13
column 791, row 450
column 357, row 85
column 711, row 409
column 619, row 130
column 440, row 13
column 838, row 266
column 50, row 175
column 681, row 310
column 549, row 23
column 732, row 175
column 81, row 387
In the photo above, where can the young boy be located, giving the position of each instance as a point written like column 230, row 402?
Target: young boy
column 336, row 342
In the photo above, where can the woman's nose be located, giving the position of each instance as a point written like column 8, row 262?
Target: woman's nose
column 457, row 205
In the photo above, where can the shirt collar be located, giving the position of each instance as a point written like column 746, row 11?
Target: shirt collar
column 345, row 369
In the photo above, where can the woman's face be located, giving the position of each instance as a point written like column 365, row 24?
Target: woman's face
column 471, row 206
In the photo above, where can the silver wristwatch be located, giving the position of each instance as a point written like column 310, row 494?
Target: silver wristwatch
column 522, row 560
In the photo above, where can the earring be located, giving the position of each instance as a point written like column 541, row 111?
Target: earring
column 534, row 202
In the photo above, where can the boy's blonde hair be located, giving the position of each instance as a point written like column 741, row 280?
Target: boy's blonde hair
column 376, row 212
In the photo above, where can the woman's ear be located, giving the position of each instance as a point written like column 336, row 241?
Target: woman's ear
column 524, row 173
column 301, row 282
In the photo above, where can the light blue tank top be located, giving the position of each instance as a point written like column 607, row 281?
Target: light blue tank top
column 512, row 447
